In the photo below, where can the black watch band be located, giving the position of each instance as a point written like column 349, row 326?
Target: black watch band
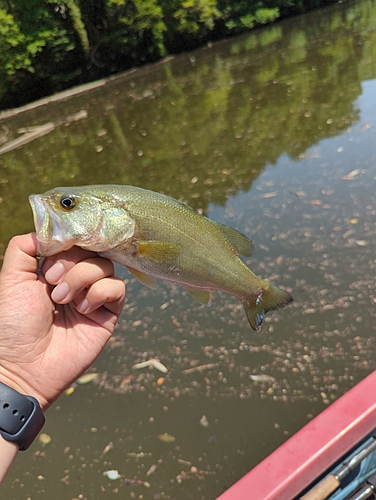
column 21, row 417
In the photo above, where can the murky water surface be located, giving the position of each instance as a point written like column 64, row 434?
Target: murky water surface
column 273, row 133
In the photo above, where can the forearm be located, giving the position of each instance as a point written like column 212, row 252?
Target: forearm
column 8, row 453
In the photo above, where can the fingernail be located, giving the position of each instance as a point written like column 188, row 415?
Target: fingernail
column 55, row 273
column 83, row 307
column 60, row 292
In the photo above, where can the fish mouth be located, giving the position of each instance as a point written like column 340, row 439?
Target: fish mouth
column 48, row 227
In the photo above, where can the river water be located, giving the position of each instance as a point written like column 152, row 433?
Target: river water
column 273, row 133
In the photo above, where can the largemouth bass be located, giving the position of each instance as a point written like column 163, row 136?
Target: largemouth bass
column 155, row 237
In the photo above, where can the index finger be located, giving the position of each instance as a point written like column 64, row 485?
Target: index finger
column 56, row 266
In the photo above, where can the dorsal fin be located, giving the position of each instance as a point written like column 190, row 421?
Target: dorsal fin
column 239, row 241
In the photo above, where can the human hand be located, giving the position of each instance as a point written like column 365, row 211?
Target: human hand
column 54, row 321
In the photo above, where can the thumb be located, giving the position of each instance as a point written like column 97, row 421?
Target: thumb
column 20, row 255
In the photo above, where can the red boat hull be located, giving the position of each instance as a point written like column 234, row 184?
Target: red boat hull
column 314, row 449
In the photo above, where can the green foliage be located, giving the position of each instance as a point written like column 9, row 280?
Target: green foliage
column 47, row 45
column 34, row 43
column 137, row 23
column 249, row 21
column 263, row 16
column 194, row 14
column 13, row 47
column 245, row 14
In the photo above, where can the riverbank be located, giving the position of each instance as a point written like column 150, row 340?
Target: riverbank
column 48, row 47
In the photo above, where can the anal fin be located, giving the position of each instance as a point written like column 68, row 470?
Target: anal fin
column 202, row 296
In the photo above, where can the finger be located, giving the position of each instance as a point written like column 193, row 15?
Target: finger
column 55, row 267
column 81, row 276
column 20, row 255
column 107, row 292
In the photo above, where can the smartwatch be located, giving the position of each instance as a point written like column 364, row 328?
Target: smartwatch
column 21, row 417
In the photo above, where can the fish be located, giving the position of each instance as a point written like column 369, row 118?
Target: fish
column 155, row 237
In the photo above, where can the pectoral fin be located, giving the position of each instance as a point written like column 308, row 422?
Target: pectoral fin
column 202, row 296
column 143, row 278
column 243, row 245
column 157, row 251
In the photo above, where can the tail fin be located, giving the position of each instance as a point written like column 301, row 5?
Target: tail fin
column 270, row 298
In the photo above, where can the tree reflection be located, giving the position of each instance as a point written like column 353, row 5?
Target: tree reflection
column 204, row 125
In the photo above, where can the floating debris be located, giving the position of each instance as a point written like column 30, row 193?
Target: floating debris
column 112, row 474
column 38, row 455
column 184, row 462
column 136, row 482
column 31, row 133
column 44, row 439
column 65, row 480
column 151, row 470
column 106, row 449
column 151, row 362
column 86, row 378
column 193, row 473
column 200, row 368
column 271, row 194
column 351, row 175
column 166, row 438
column 299, row 194
column 204, row 422
column 262, row 378
column 126, row 381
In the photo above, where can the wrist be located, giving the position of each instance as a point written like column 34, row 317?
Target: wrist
column 21, row 417
column 20, row 385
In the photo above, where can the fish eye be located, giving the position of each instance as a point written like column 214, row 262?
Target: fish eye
column 67, row 202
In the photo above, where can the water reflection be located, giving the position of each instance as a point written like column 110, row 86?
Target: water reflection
column 272, row 133
column 218, row 116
